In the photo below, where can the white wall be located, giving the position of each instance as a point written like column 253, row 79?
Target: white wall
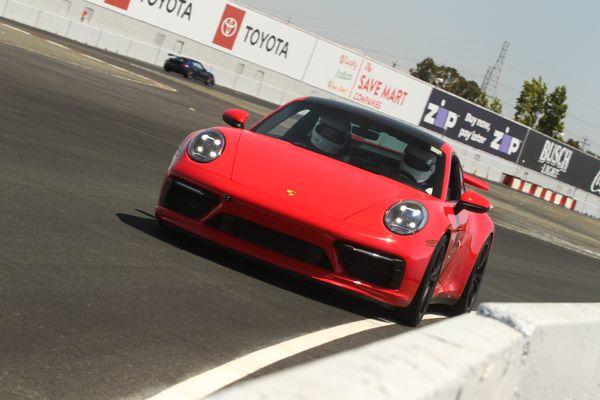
column 506, row 351
column 561, row 356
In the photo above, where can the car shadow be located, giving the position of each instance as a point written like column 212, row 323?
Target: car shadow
column 146, row 223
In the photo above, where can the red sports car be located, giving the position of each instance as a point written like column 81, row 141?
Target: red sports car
column 342, row 195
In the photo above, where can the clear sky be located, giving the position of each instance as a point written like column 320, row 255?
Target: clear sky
column 559, row 40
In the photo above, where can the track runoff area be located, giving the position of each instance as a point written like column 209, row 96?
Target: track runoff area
column 97, row 303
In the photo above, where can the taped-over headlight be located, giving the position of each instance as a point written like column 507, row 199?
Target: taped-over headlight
column 406, row 217
column 206, row 146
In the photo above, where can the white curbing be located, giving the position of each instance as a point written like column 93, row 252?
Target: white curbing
column 447, row 360
column 507, row 351
column 562, row 354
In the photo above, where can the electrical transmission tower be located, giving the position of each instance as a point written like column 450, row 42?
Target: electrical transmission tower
column 492, row 76
column 584, row 143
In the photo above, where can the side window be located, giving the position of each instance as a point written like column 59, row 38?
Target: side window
column 456, row 185
column 461, row 178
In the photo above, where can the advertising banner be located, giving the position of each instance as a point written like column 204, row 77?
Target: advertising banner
column 475, row 126
column 263, row 40
column 390, row 91
column 178, row 16
column 347, row 74
column 556, row 160
column 333, row 69
column 226, row 26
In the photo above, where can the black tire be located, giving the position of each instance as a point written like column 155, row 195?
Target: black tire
column 473, row 286
column 189, row 75
column 167, row 69
column 413, row 314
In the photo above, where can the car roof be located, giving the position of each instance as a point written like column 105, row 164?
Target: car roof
column 409, row 129
column 182, row 58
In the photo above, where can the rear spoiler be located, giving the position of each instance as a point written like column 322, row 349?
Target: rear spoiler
column 474, row 181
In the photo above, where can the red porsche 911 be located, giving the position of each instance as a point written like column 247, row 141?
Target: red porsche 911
column 339, row 194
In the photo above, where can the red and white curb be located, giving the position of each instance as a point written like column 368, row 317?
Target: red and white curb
column 539, row 192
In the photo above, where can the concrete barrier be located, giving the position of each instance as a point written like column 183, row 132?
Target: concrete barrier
column 246, row 85
column 505, row 351
column 561, row 356
column 113, row 43
column 3, row 4
column 21, row 13
column 53, row 23
column 270, row 93
column 84, row 33
column 532, row 189
column 143, row 52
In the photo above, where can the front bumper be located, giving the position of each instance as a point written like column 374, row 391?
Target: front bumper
column 302, row 241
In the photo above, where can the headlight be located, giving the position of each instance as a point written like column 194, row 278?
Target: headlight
column 406, row 217
column 206, row 146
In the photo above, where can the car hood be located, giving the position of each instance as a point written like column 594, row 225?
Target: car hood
column 311, row 180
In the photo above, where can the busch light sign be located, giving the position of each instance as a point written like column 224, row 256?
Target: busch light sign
column 559, row 161
column 470, row 124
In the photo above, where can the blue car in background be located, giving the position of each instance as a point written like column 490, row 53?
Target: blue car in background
column 191, row 69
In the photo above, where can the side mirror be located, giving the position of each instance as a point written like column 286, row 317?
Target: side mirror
column 236, row 118
column 474, row 202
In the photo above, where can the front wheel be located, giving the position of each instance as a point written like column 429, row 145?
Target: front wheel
column 413, row 314
column 472, row 288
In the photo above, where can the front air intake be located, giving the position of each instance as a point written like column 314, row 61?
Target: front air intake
column 188, row 200
column 270, row 239
column 371, row 266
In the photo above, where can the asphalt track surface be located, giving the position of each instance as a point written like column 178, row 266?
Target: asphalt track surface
column 96, row 303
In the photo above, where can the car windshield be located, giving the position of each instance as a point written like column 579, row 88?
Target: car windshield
column 365, row 143
column 198, row 65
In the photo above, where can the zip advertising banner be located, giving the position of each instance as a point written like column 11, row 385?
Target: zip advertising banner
column 226, row 26
column 475, row 126
column 559, row 161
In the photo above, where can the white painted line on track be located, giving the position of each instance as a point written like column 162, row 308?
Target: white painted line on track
column 433, row 316
column 206, row 383
column 154, row 83
column 16, row 29
column 217, row 378
column 58, row 44
column 104, row 62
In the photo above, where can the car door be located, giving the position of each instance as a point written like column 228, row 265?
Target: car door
column 182, row 66
column 177, row 65
column 459, row 222
column 198, row 70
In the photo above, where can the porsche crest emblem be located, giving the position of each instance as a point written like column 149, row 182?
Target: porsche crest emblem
column 291, row 192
